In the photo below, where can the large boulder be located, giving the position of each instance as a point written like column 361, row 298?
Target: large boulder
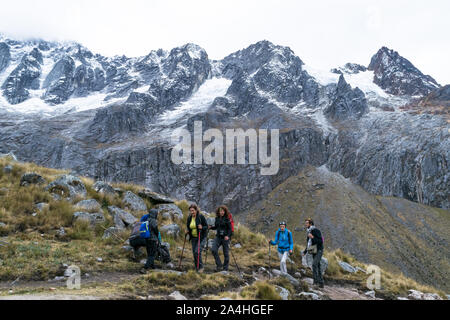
column 122, row 219
column 92, row 218
column 171, row 230
column 154, row 197
column 89, row 205
column 347, row 267
column 133, row 202
column 31, row 178
column 68, row 185
column 170, row 211
column 110, row 232
column 103, row 187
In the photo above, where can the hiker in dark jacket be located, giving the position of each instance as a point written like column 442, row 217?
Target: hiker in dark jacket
column 314, row 238
column 197, row 228
column 285, row 242
column 223, row 227
column 149, row 239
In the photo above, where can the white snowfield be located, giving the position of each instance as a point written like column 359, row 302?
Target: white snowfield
column 199, row 102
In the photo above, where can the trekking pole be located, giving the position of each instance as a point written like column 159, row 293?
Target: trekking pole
column 206, row 247
column 198, row 251
column 270, row 265
column 182, row 252
column 237, row 266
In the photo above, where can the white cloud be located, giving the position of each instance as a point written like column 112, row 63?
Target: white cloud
column 324, row 34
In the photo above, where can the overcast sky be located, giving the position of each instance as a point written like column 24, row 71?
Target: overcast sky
column 324, row 34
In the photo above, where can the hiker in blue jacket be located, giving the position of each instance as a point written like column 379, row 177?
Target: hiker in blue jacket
column 149, row 238
column 285, row 242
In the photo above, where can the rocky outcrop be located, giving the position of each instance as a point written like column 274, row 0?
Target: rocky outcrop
column 122, row 219
column 59, row 82
column 347, row 103
column 5, row 56
column 67, row 186
column 89, row 205
column 31, row 178
column 92, row 218
column 133, row 202
column 24, row 77
column 398, row 76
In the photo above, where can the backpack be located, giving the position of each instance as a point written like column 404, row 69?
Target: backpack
column 163, row 254
column 144, row 230
column 232, row 223
column 135, row 231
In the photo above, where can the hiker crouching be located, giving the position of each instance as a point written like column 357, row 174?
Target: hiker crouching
column 197, row 228
column 283, row 238
column 314, row 246
column 223, row 227
column 148, row 235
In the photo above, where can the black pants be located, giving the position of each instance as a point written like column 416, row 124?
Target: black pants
column 317, row 273
column 150, row 245
column 226, row 252
column 195, row 251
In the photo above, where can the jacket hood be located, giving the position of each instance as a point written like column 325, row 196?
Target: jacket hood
column 153, row 214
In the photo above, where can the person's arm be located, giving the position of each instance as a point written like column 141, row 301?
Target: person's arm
column 291, row 242
column 274, row 243
column 214, row 227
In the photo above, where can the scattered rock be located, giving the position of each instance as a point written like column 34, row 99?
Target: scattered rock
column 415, row 295
column 177, row 296
column 171, row 230
column 226, row 299
column 7, row 169
column 309, row 281
column 2, row 225
column 99, row 260
column 67, row 186
column 291, row 279
column 89, row 205
column 31, row 178
column 110, row 232
column 170, row 211
column 431, row 296
column 276, row 272
column 170, row 265
column 347, row 267
column 154, row 197
column 122, row 219
column 11, row 156
column 309, row 295
column 127, row 248
column 92, row 218
column 61, row 232
column 284, row 293
column 34, row 214
column 237, row 246
column 402, row 298
column 119, row 191
column 42, row 206
column 103, row 187
column 133, row 202
column 370, row 294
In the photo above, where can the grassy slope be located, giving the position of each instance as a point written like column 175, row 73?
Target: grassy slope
column 396, row 234
column 36, row 252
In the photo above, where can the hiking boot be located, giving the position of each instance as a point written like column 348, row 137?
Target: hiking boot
column 217, row 269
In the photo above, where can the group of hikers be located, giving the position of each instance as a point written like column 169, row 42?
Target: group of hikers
column 146, row 234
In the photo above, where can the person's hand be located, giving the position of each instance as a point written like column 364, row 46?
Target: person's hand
column 209, row 227
column 310, row 236
column 290, row 251
column 226, row 238
column 187, row 232
column 200, row 226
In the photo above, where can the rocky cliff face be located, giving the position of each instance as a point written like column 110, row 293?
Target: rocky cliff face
column 112, row 118
column 398, row 76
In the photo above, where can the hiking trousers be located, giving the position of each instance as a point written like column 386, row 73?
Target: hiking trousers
column 317, row 274
column 226, row 252
column 194, row 242
column 150, row 245
column 283, row 259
